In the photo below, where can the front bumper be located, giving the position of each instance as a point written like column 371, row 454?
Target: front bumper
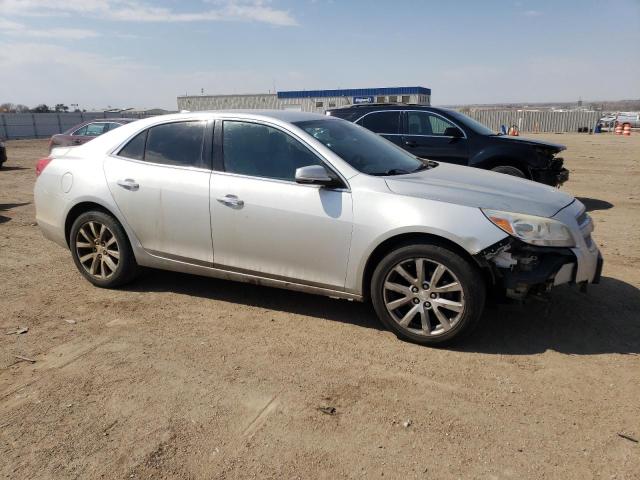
column 538, row 270
column 554, row 175
column 522, row 269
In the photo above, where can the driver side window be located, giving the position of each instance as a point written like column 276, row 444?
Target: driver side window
column 260, row 151
column 425, row 123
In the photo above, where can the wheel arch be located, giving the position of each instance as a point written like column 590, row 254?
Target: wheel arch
column 80, row 208
column 507, row 161
column 402, row 239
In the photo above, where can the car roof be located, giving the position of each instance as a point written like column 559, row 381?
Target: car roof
column 283, row 115
column 384, row 106
column 121, row 120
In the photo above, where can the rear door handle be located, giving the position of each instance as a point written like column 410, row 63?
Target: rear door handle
column 129, row 184
column 410, row 143
column 231, row 201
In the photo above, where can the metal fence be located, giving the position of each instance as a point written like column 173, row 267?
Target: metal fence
column 43, row 125
column 536, row 121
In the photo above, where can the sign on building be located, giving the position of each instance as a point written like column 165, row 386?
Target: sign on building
column 365, row 99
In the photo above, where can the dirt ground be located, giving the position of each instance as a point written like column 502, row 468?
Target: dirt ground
column 183, row 377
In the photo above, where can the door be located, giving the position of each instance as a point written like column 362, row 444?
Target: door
column 266, row 224
column 385, row 123
column 160, row 182
column 428, row 135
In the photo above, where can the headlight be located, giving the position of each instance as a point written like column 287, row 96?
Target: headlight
column 530, row 229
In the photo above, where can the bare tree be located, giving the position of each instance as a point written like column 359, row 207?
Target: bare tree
column 42, row 108
column 7, row 107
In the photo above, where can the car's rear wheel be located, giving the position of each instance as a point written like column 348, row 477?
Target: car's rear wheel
column 509, row 170
column 427, row 294
column 101, row 250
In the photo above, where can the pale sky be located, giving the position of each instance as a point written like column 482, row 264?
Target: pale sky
column 143, row 53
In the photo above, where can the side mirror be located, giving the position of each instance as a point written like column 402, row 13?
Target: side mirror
column 454, row 132
column 316, row 175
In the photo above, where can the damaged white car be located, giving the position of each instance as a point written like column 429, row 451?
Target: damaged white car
column 311, row 203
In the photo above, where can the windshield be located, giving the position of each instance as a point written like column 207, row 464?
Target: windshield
column 363, row 150
column 471, row 123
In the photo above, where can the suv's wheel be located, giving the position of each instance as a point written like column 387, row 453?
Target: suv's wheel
column 101, row 250
column 509, row 170
column 427, row 294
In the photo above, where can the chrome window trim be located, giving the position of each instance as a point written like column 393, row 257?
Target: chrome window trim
column 321, row 157
column 280, row 180
column 122, row 144
column 144, row 162
column 412, row 134
column 445, row 119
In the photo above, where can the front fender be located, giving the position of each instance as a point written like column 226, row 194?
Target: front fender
column 380, row 217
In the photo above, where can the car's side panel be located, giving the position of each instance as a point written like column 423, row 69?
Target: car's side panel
column 281, row 229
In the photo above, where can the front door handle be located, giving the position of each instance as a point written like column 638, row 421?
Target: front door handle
column 231, row 201
column 129, row 184
column 410, row 143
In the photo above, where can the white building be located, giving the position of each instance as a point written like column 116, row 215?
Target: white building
column 307, row 100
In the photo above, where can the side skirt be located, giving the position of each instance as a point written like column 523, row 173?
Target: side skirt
column 161, row 261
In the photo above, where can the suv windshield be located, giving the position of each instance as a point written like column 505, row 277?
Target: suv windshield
column 471, row 123
column 363, row 150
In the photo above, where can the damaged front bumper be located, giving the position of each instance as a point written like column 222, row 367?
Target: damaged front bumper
column 522, row 269
column 554, row 175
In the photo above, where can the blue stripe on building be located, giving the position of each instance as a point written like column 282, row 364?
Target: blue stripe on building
column 355, row 92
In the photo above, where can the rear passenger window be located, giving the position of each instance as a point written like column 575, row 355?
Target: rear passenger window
column 135, row 148
column 382, row 122
column 178, row 143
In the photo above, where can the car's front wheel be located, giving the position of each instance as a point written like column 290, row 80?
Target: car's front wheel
column 101, row 250
column 427, row 294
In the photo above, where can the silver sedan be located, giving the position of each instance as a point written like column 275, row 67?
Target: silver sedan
column 311, row 203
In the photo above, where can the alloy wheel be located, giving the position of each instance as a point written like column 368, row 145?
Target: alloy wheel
column 97, row 249
column 423, row 297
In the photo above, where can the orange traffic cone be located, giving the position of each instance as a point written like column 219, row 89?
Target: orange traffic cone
column 618, row 130
column 626, row 129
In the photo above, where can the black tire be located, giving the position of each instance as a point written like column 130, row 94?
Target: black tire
column 509, row 170
column 467, row 275
column 126, row 266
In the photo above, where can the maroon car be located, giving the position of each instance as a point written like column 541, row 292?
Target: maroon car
column 86, row 131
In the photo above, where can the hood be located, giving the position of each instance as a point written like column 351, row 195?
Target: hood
column 555, row 147
column 474, row 187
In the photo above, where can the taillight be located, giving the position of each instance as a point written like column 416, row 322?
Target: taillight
column 42, row 164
